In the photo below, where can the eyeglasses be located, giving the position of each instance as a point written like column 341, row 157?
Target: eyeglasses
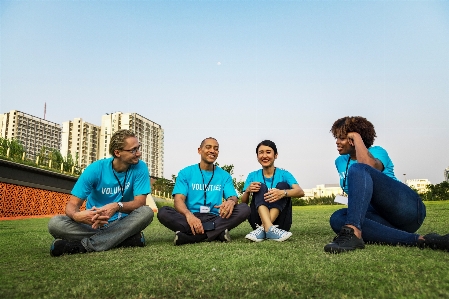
column 133, row 150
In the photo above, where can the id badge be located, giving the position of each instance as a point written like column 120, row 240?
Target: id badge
column 341, row 199
column 204, row 209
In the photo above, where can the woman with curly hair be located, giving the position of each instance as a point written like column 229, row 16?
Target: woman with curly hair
column 381, row 209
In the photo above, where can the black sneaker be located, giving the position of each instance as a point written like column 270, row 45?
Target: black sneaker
column 224, row 236
column 346, row 240
column 60, row 247
column 137, row 240
column 182, row 238
column 435, row 241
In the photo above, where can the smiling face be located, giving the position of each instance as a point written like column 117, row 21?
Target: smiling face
column 125, row 154
column 209, row 151
column 266, row 156
column 343, row 146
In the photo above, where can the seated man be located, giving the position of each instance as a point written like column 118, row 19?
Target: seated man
column 200, row 213
column 115, row 215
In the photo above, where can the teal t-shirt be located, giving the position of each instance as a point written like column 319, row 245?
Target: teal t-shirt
column 100, row 187
column 281, row 175
column 377, row 152
column 192, row 181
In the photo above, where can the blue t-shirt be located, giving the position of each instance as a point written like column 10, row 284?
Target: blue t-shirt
column 191, row 182
column 281, row 175
column 100, row 187
column 377, row 152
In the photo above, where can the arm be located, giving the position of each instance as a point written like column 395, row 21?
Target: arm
column 91, row 217
column 195, row 223
column 362, row 153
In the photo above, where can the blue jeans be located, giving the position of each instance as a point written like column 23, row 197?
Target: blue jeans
column 385, row 210
column 105, row 238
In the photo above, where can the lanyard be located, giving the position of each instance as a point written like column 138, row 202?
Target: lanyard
column 122, row 188
column 346, row 174
column 205, row 187
column 272, row 178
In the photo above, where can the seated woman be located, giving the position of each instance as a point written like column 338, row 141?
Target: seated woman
column 381, row 209
column 271, row 210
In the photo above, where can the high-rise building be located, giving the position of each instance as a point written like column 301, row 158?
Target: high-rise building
column 80, row 140
column 149, row 133
column 34, row 133
column 446, row 174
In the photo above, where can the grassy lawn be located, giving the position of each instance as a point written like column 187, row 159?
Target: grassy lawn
column 297, row 268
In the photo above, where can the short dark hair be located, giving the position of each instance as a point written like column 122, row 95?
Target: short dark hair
column 357, row 124
column 268, row 143
column 204, row 140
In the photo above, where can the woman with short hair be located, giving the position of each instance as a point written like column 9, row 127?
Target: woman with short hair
column 272, row 189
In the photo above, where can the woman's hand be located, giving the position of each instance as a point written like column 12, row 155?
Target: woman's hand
column 273, row 195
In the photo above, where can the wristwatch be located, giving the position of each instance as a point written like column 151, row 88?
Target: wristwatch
column 285, row 193
column 120, row 206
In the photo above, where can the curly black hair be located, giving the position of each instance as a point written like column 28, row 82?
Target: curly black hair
column 357, row 124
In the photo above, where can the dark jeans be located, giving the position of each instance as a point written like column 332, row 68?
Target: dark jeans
column 284, row 220
column 385, row 210
column 175, row 221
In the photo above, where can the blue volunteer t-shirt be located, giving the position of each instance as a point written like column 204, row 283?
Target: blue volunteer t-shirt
column 281, row 175
column 100, row 187
column 191, row 182
column 377, row 152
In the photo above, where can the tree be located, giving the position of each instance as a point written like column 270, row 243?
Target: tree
column 164, row 185
column 437, row 192
column 237, row 185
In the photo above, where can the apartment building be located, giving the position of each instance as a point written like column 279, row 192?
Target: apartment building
column 419, row 185
column 33, row 132
column 323, row 190
column 446, row 174
column 80, row 140
column 149, row 133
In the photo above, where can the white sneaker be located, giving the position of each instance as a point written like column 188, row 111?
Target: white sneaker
column 257, row 235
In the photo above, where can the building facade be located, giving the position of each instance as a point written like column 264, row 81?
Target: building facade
column 80, row 140
column 446, row 174
column 420, row 185
column 34, row 133
column 323, row 190
column 149, row 133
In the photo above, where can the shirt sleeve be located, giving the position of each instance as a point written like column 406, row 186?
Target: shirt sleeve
column 289, row 178
column 181, row 184
column 85, row 183
column 381, row 154
column 141, row 183
column 229, row 189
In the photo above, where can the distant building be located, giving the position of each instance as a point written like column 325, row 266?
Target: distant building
column 323, row 190
column 150, row 134
column 33, row 132
column 419, row 185
column 80, row 140
column 446, row 174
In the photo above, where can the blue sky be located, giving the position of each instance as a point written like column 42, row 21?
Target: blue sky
column 240, row 71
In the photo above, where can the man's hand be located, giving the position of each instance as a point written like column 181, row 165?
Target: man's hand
column 226, row 208
column 93, row 217
column 195, row 224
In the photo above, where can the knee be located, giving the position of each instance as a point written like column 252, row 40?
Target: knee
column 55, row 225
column 282, row 186
column 357, row 168
column 146, row 214
column 243, row 211
column 162, row 213
column 338, row 219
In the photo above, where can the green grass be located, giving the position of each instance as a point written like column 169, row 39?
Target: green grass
column 297, row 268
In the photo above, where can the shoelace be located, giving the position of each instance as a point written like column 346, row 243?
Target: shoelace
column 343, row 237
column 277, row 231
column 257, row 231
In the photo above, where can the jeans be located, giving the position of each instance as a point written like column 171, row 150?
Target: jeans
column 175, row 221
column 284, row 205
column 104, row 238
column 385, row 210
